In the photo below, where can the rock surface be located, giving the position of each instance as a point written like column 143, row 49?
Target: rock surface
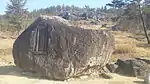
column 145, row 60
column 147, row 76
column 59, row 51
column 132, row 67
column 112, row 67
column 115, row 28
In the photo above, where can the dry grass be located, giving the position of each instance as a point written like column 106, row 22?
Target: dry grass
column 127, row 46
column 123, row 43
column 6, row 47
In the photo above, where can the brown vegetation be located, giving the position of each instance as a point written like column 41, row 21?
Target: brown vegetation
column 127, row 47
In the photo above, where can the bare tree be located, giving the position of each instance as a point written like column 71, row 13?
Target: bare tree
column 143, row 22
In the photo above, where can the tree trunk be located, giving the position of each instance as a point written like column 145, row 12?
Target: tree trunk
column 143, row 23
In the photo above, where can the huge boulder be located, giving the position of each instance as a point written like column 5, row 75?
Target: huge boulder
column 52, row 47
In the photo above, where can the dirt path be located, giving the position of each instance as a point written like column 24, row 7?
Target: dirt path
column 10, row 74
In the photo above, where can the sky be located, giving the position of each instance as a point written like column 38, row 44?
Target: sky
column 37, row 4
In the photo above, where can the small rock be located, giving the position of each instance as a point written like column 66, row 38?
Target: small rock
column 115, row 28
column 106, row 76
column 112, row 67
column 147, row 77
column 105, row 69
column 132, row 67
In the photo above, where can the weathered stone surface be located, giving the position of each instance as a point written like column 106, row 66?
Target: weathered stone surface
column 112, row 67
column 115, row 28
column 147, row 76
column 106, row 76
column 145, row 60
column 132, row 67
column 57, row 50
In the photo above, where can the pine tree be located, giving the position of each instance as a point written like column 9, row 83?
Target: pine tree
column 16, row 13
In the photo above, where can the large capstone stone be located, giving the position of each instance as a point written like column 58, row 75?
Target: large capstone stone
column 52, row 47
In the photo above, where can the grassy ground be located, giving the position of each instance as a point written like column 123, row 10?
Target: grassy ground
column 127, row 46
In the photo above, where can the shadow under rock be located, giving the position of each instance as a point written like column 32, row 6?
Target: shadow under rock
column 15, row 71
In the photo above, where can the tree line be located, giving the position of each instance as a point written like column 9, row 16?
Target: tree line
column 134, row 10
